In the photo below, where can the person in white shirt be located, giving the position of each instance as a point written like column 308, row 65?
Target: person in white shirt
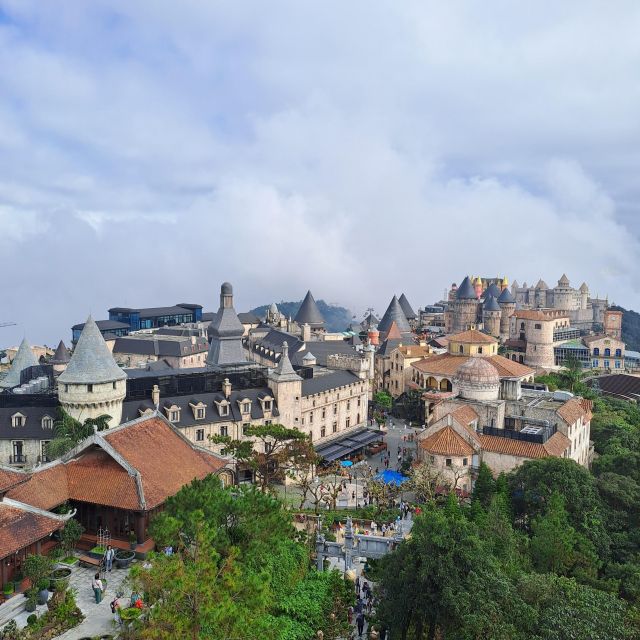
column 97, row 587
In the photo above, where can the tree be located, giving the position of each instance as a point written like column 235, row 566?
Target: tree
column 69, row 432
column 485, row 486
column 572, row 371
column 383, row 400
column 424, row 481
column 331, row 483
column 267, row 454
column 70, row 535
column 37, row 568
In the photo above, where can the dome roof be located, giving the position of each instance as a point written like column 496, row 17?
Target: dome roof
column 491, row 304
column 226, row 288
column 477, row 372
column 465, row 290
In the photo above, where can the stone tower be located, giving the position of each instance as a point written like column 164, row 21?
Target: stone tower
column 92, row 384
column 584, row 295
column 286, row 385
column 507, row 304
column 60, row 358
column 225, row 332
column 491, row 316
column 23, row 360
column 539, row 353
column 613, row 323
column 464, row 310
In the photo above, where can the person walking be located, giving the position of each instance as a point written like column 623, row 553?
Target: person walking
column 115, row 609
column 109, row 555
column 360, row 620
column 97, row 587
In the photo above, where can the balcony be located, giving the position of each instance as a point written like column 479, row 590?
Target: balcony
column 17, row 458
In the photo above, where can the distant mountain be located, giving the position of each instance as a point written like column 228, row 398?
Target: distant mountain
column 336, row 318
column 630, row 328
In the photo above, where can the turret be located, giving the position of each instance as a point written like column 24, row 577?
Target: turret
column 93, row 384
column 24, row 359
column 507, row 304
column 491, row 316
column 286, row 385
column 478, row 287
column 225, row 332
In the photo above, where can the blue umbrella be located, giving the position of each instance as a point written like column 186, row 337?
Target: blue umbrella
column 389, row 476
column 346, row 463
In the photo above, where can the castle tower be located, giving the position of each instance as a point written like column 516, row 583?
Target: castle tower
column 562, row 294
column 225, row 332
column 541, row 293
column 394, row 313
column 92, row 384
column 464, row 310
column 539, row 332
column 408, row 311
column 613, row 324
column 60, row 358
column 452, row 292
column 478, row 287
column 310, row 314
column 507, row 304
column 23, row 360
column 491, row 316
column 504, row 284
column 286, row 385
column 584, row 295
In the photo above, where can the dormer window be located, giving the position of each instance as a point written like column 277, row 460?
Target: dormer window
column 245, row 406
column 47, row 422
column 199, row 413
column 199, row 410
column 18, row 420
column 267, row 405
column 175, row 416
column 223, row 407
column 173, row 413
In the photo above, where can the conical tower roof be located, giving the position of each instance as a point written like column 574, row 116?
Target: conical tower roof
column 309, row 312
column 91, row 362
column 409, row 313
column 541, row 285
column 394, row 332
column 492, row 290
column 61, row 356
column 225, row 332
column 506, row 297
column 584, row 288
column 23, row 360
column 393, row 313
column 564, row 281
column 515, row 285
column 465, row 290
column 491, row 304
column 284, row 371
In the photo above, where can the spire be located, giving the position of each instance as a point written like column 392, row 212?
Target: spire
column 493, row 290
column 409, row 313
column 61, row 356
column 91, row 362
column 465, row 290
column 506, row 297
column 284, row 372
column 309, row 313
column 505, row 282
column 393, row 313
column 564, row 281
column 226, row 332
column 23, row 360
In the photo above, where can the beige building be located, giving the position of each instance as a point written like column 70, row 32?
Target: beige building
column 606, row 353
column 400, row 361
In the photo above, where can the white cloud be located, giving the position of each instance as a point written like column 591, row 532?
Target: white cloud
column 149, row 151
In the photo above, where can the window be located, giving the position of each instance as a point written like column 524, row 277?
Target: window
column 47, row 422
column 606, row 364
column 323, row 431
column 460, row 349
column 432, row 458
column 607, row 352
column 199, row 435
column 43, row 450
column 245, row 427
column 334, row 427
column 465, row 462
column 324, row 413
column 348, row 423
column 18, row 420
column 358, row 401
column 310, row 417
column 267, row 405
column 358, row 419
column 90, row 388
column 18, row 456
column 223, row 409
column 479, row 349
column 224, row 430
column 114, row 384
column 200, row 413
column 174, row 416
column 335, row 409
column 246, row 407
column 596, row 351
column 617, row 364
column 596, row 364
column 537, row 326
column 349, row 401
column 522, row 326
column 448, row 462
column 618, row 353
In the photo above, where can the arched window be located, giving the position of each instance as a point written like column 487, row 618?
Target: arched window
column 607, row 352
column 479, row 349
column 596, row 351
column 461, row 349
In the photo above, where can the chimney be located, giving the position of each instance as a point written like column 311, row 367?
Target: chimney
column 155, row 395
column 306, row 333
column 226, row 388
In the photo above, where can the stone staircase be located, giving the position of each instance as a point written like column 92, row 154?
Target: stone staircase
column 12, row 607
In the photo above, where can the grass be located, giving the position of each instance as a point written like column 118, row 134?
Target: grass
column 98, row 549
column 69, row 560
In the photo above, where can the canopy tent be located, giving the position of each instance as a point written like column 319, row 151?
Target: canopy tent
column 389, row 476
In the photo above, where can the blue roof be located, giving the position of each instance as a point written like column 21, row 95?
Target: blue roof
column 389, row 476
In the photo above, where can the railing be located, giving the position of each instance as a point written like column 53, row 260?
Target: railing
column 17, row 459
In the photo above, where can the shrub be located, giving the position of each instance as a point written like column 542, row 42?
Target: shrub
column 32, row 619
column 130, row 613
column 8, row 588
column 37, row 569
column 10, row 631
column 71, row 533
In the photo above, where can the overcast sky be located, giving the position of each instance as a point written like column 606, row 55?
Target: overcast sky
column 151, row 150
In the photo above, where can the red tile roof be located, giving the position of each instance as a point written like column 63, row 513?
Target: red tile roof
column 465, row 414
column 446, row 442
column 446, row 364
column 555, row 446
column 472, row 336
column 574, row 409
column 10, row 478
column 20, row 528
column 530, row 314
column 46, row 488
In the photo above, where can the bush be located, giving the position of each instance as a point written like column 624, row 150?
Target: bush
column 8, row 588
column 32, row 619
column 130, row 613
column 37, row 569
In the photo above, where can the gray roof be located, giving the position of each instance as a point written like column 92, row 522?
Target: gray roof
column 506, row 297
column 91, row 362
column 394, row 312
column 160, row 345
column 309, row 312
column 308, row 357
column 104, row 325
column 23, row 360
column 284, row 371
column 33, row 424
column 369, row 322
column 406, row 308
column 61, row 356
column 465, row 290
column 225, row 332
column 328, row 381
column 131, row 409
column 493, row 290
column 248, row 318
column 491, row 304
column 389, row 345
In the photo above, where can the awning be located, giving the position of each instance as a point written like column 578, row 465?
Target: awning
column 348, row 443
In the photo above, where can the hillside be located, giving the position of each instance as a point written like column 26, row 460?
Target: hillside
column 630, row 328
column 336, row 318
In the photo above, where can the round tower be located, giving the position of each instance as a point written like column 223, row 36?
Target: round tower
column 491, row 316
column 477, row 379
column 584, row 295
column 507, row 304
column 539, row 336
column 465, row 307
column 93, row 384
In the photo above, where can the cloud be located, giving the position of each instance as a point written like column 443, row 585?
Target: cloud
column 149, row 152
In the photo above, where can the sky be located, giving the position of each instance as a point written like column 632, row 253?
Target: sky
column 151, row 150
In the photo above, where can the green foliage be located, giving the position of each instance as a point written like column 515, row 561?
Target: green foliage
column 31, row 620
column 630, row 328
column 383, row 399
column 70, row 535
column 485, row 486
column 69, row 432
column 37, row 569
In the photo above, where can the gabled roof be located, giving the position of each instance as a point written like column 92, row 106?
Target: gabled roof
column 135, row 466
column 448, row 364
column 308, row 313
column 472, row 336
column 91, row 362
column 574, row 409
column 465, row 290
column 394, row 313
column 394, row 332
column 409, row 313
column 23, row 360
column 61, row 356
column 555, row 446
column 490, row 304
column 10, row 478
column 446, row 442
column 506, row 297
column 532, row 314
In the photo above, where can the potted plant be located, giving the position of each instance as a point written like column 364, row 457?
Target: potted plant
column 59, row 579
column 133, row 540
column 37, row 568
column 69, row 537
column 31, row 602
column 8, row 590
column 124, row 558
column 97, row 552
column 43, row 592
column 17, row 580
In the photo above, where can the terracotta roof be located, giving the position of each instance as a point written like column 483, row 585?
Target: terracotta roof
column 556, row 445
column 574, row 409
column 163, row 459
column 10, row 478
column 465, row 414
column 21, row 527
column 530, row 314
column 446, row 364
column 446, row 442
column 472, row 336
column 414, row 351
